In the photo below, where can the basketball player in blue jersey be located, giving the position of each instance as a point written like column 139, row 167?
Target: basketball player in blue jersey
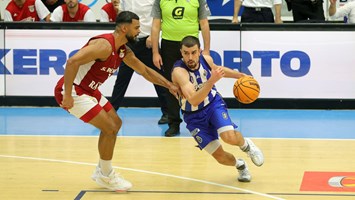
column 204, row 110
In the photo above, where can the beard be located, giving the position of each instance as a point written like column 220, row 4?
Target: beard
column 72, row 4
column 191, row 64
column 131, row 38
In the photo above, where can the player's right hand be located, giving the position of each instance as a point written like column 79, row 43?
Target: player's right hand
column 67, row 102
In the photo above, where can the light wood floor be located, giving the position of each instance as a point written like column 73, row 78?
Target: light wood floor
column 45, row 167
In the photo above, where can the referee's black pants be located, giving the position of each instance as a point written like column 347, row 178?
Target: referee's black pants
column 170, row 53
column 255, row 15
column 125, row 73
column 306, row 11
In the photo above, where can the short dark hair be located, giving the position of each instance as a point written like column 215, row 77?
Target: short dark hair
column 190, row 41
column 126, row 17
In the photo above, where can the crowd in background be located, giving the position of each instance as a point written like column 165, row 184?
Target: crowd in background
column 244, row 11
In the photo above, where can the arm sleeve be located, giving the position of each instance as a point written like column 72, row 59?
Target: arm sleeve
column 57, row 15
column 7, row 16
column 89, row 16
column 277, row 2
column 104, row 16
column 203, row 10
column 156, row 11
column 41, row 9
column 342, row 11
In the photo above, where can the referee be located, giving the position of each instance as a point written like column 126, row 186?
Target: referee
column 176, row 19
column 258, row 11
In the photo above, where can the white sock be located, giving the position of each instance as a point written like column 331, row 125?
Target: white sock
column 105, row 166
column 244, row 146
column 240, row 164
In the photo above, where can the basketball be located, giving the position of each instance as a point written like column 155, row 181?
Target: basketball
column 246, row 89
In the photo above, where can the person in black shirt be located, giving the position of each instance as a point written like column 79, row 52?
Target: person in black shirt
column 52, row 4
column 306, row 10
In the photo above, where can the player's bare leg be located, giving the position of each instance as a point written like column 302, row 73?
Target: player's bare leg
column 109, row 123
column 226, row 158
column 233, row 138
column 246, row 145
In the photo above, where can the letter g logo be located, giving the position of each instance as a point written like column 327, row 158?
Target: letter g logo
column 178, row 12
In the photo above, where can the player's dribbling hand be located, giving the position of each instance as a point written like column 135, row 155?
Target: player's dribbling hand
column 67, row 102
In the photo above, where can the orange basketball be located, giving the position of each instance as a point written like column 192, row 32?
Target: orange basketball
column 246, row 89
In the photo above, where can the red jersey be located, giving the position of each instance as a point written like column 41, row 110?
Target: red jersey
column 91, row 75
column 111, row 12
column 79, row 16
column 28, row 10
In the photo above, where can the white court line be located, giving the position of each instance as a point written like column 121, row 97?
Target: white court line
column 147, row 172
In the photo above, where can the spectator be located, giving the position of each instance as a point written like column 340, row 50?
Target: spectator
column 109, row 11
column 348, row 10
column 181, row 18
column 306, row 10
column 52, row 4
column 258, row 11
column 142, row 48
column 73, row 11
column 26, row 10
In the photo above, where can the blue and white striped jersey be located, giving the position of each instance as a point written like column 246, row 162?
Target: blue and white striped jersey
column 197, row 78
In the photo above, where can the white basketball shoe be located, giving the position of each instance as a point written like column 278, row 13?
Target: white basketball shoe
column 254, row 153
column 244, row 174
column 113, row 181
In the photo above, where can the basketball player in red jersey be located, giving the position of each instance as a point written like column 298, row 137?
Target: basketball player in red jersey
column 26, row 10
column 78, row 93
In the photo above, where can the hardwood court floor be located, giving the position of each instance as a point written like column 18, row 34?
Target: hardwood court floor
column 41, row 167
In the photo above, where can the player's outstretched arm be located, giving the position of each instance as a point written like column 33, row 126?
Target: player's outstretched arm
column 149, row 74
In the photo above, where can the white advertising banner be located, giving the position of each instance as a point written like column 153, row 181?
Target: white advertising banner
column 287, row 64
column 300, row 64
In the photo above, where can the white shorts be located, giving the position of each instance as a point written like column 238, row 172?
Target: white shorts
column 86, row 106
